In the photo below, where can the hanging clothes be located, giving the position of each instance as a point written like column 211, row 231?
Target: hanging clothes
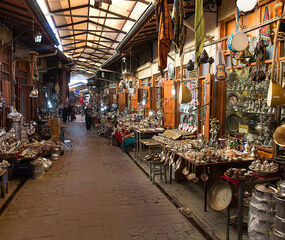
column 265, row 31
column 179, row 32
column 199, row 29
column 164, row 33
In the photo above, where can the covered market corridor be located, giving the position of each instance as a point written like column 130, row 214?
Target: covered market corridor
column 95, row 192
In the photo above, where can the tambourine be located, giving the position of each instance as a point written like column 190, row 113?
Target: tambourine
column 238, row 41
column 246, row 6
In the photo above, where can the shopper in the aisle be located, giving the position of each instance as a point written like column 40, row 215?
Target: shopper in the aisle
column 88, row 117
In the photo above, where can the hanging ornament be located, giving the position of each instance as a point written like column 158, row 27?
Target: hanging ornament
column 190, row 65
column 204, row 57
column 34, row 93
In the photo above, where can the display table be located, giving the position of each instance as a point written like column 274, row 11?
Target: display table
column 213, row 169
column 4, row 182
column 124, row 142
column 149, row 143
column 145, row 134
column 242, row 187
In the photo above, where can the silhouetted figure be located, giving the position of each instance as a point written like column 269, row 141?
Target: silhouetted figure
column 64, row 114
column 88, row 117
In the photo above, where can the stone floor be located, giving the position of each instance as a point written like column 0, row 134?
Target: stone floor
column 94, row 192
column 190, row 195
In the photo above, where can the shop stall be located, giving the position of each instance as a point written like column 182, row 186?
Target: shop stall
column 209, row 117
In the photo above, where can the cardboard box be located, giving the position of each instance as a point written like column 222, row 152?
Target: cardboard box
column 55, row 130
column 55, row 138
column 54, row 122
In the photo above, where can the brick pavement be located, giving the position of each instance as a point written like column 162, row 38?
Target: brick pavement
column 94, row 192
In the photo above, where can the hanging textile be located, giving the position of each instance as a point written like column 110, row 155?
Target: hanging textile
column 164, row 33
column 265, row 31
column 199, row 29
column 179, row 32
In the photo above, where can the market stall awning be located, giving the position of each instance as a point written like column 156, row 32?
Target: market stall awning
column 90, row 31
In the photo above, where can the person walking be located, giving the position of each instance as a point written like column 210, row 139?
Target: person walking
column 69, row 110
column 73, row 113
column 64, row 113
column 88, row 117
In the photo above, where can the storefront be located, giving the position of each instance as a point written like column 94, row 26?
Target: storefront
column 211, row 126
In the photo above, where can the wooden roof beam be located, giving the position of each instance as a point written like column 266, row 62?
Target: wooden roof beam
column 114, row 13
column 70, row 9
column 91, row 59
column 71, row 24
column 14, row 6
column 110, row 39
column 105, row 26
column 92, row 41
column 89, row 30
column 86, row 46
column 101, row 45
column 73, row 43
column 142, row 1
column 72, row 35
column 91, row 6
column 86, row 66
column 92, row 55
column 87, row 61
column 75, row 48
column 102, row 51
column 85, row 16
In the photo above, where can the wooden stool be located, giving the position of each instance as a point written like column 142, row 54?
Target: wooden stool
column 153, row 167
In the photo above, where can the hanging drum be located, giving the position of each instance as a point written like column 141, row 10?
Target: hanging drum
column 239, row 41
column 246, row 6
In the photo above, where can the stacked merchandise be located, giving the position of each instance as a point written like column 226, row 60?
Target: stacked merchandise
column 40, row 166
column 55, row 129
column 261, row 212
column 24, row 135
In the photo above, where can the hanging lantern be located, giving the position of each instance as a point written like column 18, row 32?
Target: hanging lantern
column 97, row 3
column 34, row 93
column 38, row 38
column 122, row 84
column 124, row 65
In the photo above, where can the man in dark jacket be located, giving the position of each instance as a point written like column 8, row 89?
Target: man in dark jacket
column 69, row 110
column 64, row 113
column 88, row 117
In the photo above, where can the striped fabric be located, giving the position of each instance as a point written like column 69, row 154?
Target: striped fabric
column 164, row 33
column 179, row 32
column 199, row 29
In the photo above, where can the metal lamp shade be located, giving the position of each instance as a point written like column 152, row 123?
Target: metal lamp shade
column 185, row 95
column 279, row 136
column 276, row 95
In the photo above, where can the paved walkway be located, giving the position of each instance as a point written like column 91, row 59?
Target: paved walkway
column 95, row 192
